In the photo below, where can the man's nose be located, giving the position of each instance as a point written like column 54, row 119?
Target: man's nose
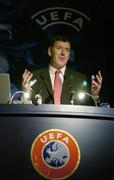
column 63, row 51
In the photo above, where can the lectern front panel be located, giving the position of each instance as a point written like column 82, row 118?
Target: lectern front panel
column 94, row 135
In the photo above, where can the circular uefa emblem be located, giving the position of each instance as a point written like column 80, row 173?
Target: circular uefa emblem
column 55, row 154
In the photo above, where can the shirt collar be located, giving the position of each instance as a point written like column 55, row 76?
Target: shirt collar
column 52, row 69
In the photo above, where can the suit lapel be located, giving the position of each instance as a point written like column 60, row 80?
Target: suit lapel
column 66, row 91
column 46, row 80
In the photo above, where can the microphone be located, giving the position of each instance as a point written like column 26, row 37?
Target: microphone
column 77, row 96
column 38, row 99
column 24, row 100
column 72, row 99
column 82, row 95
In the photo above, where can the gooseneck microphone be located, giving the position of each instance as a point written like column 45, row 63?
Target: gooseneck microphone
column 72, row 98
column 77, row 97
column 25, row 98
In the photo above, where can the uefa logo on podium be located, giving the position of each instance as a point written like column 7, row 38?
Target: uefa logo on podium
column 55, row 154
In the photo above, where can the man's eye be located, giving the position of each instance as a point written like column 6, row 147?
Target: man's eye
column 68, row 50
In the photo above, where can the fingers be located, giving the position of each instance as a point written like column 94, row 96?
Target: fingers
column 27, row 75
column 31, row 83
column 96, row 83
column 93, row 81
column 99, row 78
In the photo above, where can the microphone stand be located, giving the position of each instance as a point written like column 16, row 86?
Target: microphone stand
column 80, row 95
column 85, row 93
column 72, row 100
column 24, row 100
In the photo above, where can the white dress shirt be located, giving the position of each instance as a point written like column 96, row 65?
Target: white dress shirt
column 52, row 74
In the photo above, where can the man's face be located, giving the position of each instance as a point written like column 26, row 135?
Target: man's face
column 59, row 54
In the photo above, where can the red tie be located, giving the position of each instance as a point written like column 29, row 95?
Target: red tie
column 57, row 88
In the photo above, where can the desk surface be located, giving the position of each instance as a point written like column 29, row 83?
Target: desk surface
column 58, row 110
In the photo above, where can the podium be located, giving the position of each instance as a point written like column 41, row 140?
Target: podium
column 92, row 127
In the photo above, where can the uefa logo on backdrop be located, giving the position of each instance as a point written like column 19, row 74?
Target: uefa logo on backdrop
column 49, row 17
column 55, row 154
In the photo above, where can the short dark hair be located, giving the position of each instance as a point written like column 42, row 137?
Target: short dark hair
column 62, row 38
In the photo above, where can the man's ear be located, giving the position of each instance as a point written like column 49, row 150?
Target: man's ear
column 49, row 51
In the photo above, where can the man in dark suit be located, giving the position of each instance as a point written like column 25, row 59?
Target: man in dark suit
column 72, row 82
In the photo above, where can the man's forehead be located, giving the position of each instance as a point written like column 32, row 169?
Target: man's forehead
column 62, row 43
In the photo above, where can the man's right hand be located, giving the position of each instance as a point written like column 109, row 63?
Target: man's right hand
column 26, row 77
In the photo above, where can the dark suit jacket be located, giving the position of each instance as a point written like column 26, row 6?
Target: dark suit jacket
column 73, row 81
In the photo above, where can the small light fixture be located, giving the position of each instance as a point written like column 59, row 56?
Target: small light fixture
column 82, row 95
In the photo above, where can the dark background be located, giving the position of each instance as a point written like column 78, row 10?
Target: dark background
column 23, row 43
